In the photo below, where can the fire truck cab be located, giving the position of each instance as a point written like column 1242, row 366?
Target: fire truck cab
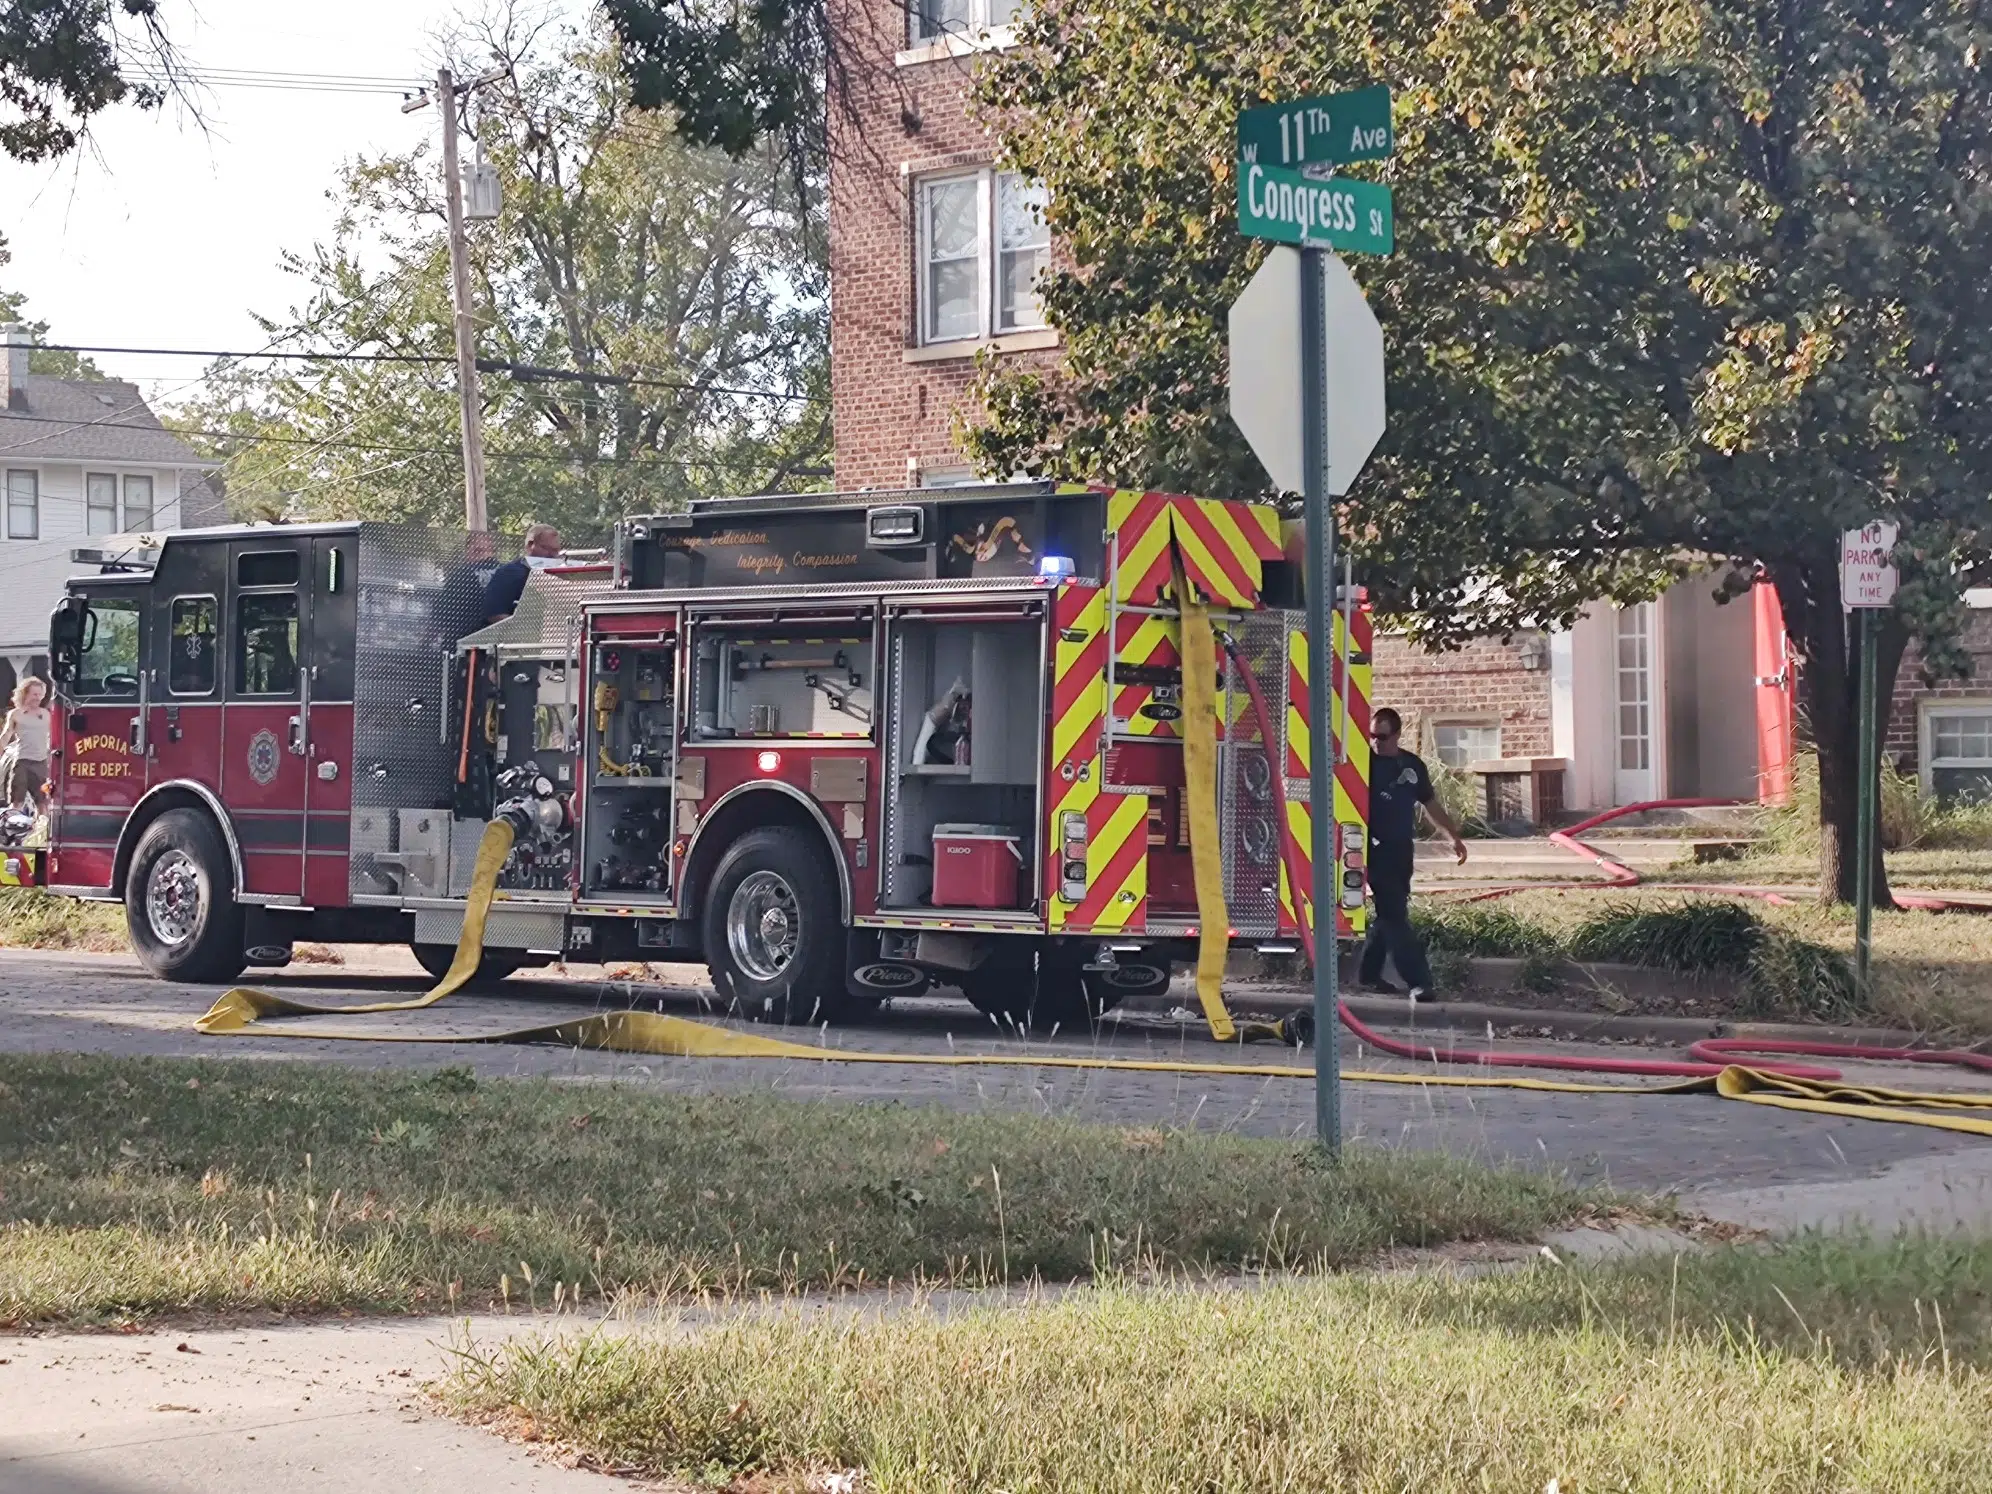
column 838, row 747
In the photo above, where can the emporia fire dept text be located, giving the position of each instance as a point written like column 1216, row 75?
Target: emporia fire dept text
column 837, row 746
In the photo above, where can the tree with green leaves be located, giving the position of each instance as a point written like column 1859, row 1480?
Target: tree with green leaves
column 651, row 315
column 63, row 62
column 1679, row 284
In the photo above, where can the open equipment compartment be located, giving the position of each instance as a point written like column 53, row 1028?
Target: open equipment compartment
column 632, row 758
column 966, row 741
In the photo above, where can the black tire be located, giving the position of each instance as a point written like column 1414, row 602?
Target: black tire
column 179, row 898
column 1058, row 993
column 773, row 930
column 437, row 959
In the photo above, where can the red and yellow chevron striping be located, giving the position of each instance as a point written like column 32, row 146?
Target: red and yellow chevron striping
column 1223, row 545
column 1116, row 890
column 1348, row 724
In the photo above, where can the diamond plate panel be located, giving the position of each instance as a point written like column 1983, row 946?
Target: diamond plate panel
column 504, row 928
column 418, row 596
column 1246, row 808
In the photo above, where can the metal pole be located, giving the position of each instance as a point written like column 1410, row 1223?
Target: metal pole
column 474, row 515
column 1320, row 693
column 1867, row 802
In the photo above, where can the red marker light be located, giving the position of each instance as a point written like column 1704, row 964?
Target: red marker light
column 768, row 762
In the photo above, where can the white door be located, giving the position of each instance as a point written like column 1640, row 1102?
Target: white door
column 1634, row 777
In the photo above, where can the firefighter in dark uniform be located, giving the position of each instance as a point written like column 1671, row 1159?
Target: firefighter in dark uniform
column 1399, row 784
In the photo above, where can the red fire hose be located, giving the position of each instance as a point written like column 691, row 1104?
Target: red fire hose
column 1710, row 1056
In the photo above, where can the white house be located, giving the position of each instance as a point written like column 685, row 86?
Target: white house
column 79, row 459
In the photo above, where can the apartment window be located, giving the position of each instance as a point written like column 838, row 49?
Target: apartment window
column 983, row 244
column 137, row 503
column 1023, row 249
column 936, row 18
column 1458, row 743
column 23, row 505
column 100, row 499
column 1958, row 748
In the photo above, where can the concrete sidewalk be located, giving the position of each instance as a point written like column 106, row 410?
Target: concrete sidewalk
column 307, row 1408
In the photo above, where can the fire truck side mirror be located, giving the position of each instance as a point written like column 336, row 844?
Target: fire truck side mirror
column 65, row 638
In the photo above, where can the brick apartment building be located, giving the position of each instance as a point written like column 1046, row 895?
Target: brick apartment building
column 932, row 255
column 932, row 251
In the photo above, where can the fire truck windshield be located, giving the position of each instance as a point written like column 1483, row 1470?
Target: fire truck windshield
column 108, row 665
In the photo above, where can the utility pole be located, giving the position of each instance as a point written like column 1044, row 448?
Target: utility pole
column 448, row 94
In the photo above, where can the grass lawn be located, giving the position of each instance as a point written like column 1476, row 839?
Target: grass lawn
column 31, row 919
column 133, row 1186
column 1932, row 971
column 1969, row 870
column 1828, row 1366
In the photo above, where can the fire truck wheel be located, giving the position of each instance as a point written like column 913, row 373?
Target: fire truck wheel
column 1062, row 996
column 773, row 939
column 180, row 903
column 437, row 959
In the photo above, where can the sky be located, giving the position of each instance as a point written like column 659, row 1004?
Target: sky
column 162, row 234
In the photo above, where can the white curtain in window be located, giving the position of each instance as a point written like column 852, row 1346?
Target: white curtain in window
column 937, row 17
column 1024, row 249
column 954, row 252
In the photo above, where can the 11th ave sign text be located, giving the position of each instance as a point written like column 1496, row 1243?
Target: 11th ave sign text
column 1289, row 208
column 1339, row 127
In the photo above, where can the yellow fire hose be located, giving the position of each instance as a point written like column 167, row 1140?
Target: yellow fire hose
column 1199, row 722
column 1199, row 654
column 241, row 1013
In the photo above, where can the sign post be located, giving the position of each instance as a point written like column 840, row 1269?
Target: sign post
column 1867, row 585
column 1286, row 193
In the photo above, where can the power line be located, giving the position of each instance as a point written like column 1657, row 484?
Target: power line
column 565, row 458
column 289, row 82
column 524, row 372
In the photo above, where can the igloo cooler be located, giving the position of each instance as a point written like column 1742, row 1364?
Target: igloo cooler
column 977, row 866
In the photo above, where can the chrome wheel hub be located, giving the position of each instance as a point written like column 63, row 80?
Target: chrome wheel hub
column 763, row 924
column 173, row 898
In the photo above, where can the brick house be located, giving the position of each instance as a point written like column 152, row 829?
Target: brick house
column 932, row 253
column 1943, row 733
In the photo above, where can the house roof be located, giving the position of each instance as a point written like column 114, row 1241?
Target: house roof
column 72, row 420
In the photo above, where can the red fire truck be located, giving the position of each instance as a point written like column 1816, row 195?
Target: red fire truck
column 836, row 746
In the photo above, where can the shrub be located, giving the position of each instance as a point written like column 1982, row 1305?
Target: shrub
column 1697, row 937
column 1910, row 819
column 1783, row 974
column 1481, row 929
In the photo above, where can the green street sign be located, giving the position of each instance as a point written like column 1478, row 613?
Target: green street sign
column 1337, row 128
column 1331, row 213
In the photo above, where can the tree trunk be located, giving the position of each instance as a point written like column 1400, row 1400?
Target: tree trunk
column 1827, row 642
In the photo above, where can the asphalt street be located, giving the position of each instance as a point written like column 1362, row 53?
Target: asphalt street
column 1691, row 1145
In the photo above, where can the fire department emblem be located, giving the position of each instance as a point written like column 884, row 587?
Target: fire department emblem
column 263, row 756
